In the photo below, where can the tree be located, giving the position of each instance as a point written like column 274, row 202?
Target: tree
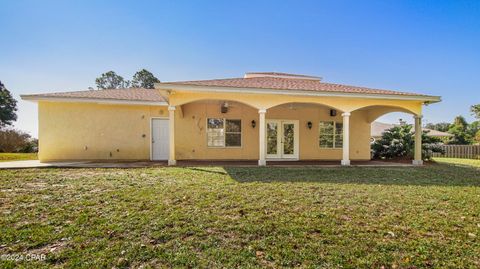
column 110, row 80
column 476, row 111
column 473, row 128
column 8, row 107
column 459, row 129
column 30, row 147
column 441, row 126
column 12, row 140
column 399, row 142
column 144, row 79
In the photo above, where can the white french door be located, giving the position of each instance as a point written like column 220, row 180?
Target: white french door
column 282, row 139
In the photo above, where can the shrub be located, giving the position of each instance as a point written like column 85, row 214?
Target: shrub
column 12, row 140
column 399, row 142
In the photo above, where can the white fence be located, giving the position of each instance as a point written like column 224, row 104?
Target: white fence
column 460, row 151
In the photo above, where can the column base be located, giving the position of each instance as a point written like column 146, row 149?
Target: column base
column 172, row 162
column 262, row 162
column 417, row 162
column 346, row 162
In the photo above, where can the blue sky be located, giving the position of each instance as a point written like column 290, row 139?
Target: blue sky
column 430, row 47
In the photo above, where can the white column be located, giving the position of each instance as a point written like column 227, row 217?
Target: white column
column 261, row 139
column 171, row 135
column 418, row 141
column 346, row 138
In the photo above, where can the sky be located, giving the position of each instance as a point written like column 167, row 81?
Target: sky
column 430, row 47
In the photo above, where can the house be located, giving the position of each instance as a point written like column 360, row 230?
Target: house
column 262, row 116
column 378, row 128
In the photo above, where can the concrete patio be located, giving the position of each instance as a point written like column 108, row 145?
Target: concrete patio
column 142, row 164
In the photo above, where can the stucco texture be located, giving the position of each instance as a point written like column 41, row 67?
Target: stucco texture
column 84, row 131
column 191, row 140
column 92, row 131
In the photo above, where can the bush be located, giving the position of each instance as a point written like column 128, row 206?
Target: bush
column 399, row 143
column 12, row 140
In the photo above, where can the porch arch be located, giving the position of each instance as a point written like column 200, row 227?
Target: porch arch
column 303, row 103
column 375, row 111
column 213, row 98
column 257, row 101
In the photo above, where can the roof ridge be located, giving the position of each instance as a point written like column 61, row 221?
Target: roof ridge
column 334, row 87
column 199, row 80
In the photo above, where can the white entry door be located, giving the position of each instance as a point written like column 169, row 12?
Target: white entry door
column 282, row 139
column 160, row 139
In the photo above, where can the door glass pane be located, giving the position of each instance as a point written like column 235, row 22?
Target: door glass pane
column 288, row 138
column 272, row 130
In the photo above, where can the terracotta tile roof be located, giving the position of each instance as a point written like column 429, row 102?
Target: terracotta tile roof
column 129, row 94
column 278, row 83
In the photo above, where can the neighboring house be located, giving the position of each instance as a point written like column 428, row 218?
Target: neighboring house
column 262, row 116
column 378, row 128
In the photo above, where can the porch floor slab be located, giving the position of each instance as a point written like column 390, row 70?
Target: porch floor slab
column 141, row 164
column 293, row 163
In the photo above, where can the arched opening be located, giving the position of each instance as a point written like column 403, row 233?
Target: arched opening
column 225, row 129
column 303, row 131
column 216, row 129
column 304, row 104
column 214, row 100
column 382, row 118
column 375, row 112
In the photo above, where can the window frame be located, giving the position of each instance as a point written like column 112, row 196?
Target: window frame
column 334, row 135
column 224, row 133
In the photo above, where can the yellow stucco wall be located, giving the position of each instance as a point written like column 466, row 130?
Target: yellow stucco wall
column 265, row 101
column 191, row 137
column 84, row 131
column 191, row 140
column 89, row 131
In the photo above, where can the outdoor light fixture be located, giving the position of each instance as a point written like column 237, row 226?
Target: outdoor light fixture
column 224, row 108
column 309, row 125
column 333, row 112
column 254, row 123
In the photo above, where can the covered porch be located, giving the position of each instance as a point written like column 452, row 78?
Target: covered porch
column 279, row 130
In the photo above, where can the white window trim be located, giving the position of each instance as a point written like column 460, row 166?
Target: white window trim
column 334, row 134
column 225, row 133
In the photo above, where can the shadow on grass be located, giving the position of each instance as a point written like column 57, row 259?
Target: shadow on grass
column 430, row 175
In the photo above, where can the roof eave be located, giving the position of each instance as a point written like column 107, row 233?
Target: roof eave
column 187, row 87
column 37, row 98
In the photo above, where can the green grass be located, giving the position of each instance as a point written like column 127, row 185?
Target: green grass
column 8, row 157
column 462, row 162
column 243, row 217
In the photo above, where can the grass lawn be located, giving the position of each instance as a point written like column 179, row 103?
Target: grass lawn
column 8, row 157
column 243, row 217
column 462, row 162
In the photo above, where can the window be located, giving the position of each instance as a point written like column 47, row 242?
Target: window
column 224, row 133
column 331, row 134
